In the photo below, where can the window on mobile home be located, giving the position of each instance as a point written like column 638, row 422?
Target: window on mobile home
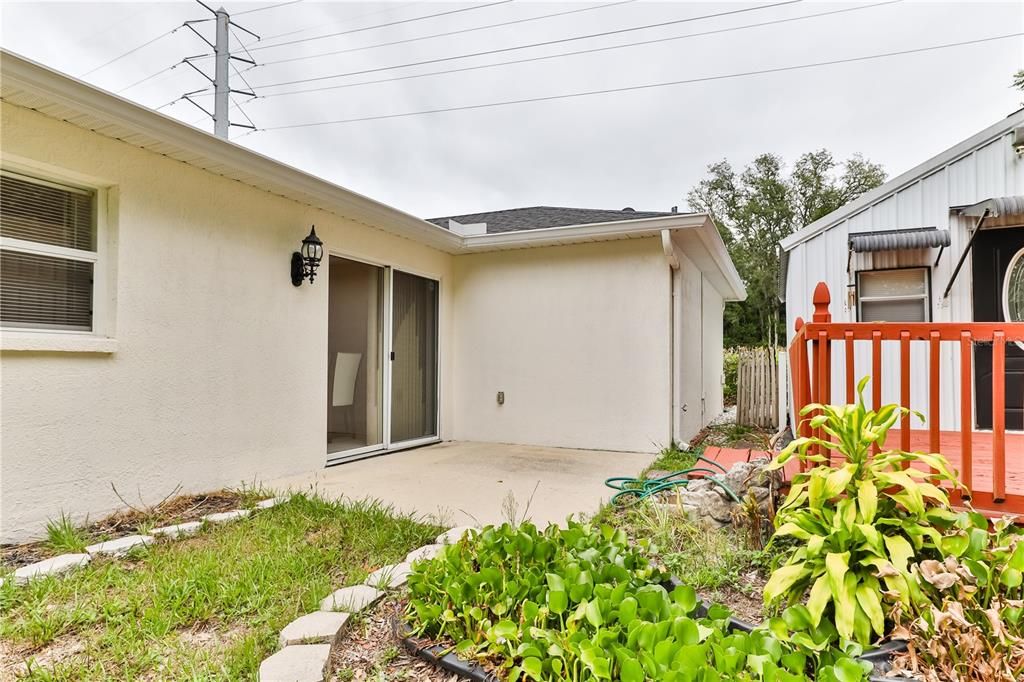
column 893, row 295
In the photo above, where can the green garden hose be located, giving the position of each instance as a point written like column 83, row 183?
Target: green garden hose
column 637, row 489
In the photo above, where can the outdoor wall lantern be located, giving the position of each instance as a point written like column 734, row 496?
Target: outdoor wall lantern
column 305, row 263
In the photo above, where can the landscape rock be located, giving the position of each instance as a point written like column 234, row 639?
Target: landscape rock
column 424, row 552
column 389, row 577
column 299, row 663
column 708, row 504
column 120, row 546
column 352, row 599
column 224, row 517
column 453, row 535
column 54, row 566
column 270, row 502
column 319, row 627
column 178, row 530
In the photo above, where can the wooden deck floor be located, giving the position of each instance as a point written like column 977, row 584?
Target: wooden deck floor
column 981, row 456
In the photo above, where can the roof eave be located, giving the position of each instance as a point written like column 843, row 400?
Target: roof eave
column 572, row 234
column 74, row 94
column 958, row 150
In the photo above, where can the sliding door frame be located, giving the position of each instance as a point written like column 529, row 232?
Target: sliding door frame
column 386, row 445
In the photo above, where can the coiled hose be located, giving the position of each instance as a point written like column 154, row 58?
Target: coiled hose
column 637, row 489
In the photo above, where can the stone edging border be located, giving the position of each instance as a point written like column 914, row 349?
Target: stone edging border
column 306, row 642
column 119, row 547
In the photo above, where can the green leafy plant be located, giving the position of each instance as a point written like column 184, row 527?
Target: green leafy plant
column 973, row 628
column 582, row 604
column 858, row 524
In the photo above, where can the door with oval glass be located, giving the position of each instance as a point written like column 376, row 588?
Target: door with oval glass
column 998, row 295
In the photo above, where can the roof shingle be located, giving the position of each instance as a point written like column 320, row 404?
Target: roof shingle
column 538, row 217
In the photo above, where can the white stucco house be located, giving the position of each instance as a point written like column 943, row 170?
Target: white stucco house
column 943, row 242
column 152, row 333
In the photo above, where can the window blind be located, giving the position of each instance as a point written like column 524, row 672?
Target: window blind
column 49, row 285
column 47, row 213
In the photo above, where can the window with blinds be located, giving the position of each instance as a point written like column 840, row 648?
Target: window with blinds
column 47, row 254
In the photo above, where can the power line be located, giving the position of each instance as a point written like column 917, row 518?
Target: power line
column 390, row 23
column 647, row 86
column 450, row 33
column 530, row 45
column 386, row 10
column 260, row 9
column 149, row 77
column 606, row 48
column 131, row 51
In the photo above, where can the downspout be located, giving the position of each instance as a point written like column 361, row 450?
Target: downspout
column 673, row 263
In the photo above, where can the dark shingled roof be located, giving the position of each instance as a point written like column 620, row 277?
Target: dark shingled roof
column 537, row 217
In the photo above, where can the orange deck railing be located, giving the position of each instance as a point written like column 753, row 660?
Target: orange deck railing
column 811, row 357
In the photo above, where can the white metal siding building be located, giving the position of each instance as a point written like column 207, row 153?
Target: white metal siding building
column 868, row 284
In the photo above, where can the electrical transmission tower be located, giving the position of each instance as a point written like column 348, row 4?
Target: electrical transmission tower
column 221, row 80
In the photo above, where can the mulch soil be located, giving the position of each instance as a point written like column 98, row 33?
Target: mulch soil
column 370, row 650
column 129, row 521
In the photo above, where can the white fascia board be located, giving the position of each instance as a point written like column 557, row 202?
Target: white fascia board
column 704, row 247
column 91, row 101
column 900, row 182
column 569, row 234
column 712, row 239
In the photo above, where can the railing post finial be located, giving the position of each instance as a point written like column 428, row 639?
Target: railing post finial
column 821, row 300
column 799, row 324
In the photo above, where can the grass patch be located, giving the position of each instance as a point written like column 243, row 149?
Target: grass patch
column 673, row 458
column 63, row 536
column 208, row 607
column 707, row 559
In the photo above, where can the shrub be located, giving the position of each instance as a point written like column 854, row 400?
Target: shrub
column 858, row 524
column 581, row 604
column 972, row 628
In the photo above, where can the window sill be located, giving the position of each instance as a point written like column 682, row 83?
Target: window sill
column 55, row 343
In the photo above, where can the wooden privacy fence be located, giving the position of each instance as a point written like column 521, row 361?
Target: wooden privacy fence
column 985, row 476
column 757, row 388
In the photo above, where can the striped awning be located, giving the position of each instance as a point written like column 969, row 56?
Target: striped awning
column 996, row 207
column 899, row 240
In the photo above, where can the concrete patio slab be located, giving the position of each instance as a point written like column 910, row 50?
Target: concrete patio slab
column 467, row 482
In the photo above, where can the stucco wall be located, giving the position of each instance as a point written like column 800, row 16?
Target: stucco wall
column 713, row 357
column 576, row 336
column 220, row 372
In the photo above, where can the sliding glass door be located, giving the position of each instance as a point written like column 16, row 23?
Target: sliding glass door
column 413, row 357
column 355, row 367
column 382, row 363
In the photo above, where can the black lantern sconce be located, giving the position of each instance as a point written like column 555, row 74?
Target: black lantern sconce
column 305, row 263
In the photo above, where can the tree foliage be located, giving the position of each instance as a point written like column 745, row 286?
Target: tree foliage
column 762, row 204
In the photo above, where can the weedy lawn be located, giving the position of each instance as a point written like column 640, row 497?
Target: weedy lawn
column 208, row 607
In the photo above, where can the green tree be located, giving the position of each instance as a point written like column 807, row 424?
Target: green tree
column 756, row 208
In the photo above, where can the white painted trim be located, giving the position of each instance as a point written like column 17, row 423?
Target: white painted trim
column 54, row 342
column 104, row 274
column 904, row 180
column 669, row 249
column 41, row 249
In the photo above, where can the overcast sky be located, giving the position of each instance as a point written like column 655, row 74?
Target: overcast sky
column 641, row 148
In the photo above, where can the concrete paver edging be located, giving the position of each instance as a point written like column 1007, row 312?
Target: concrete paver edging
column 299, row 661
column 119, row 547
